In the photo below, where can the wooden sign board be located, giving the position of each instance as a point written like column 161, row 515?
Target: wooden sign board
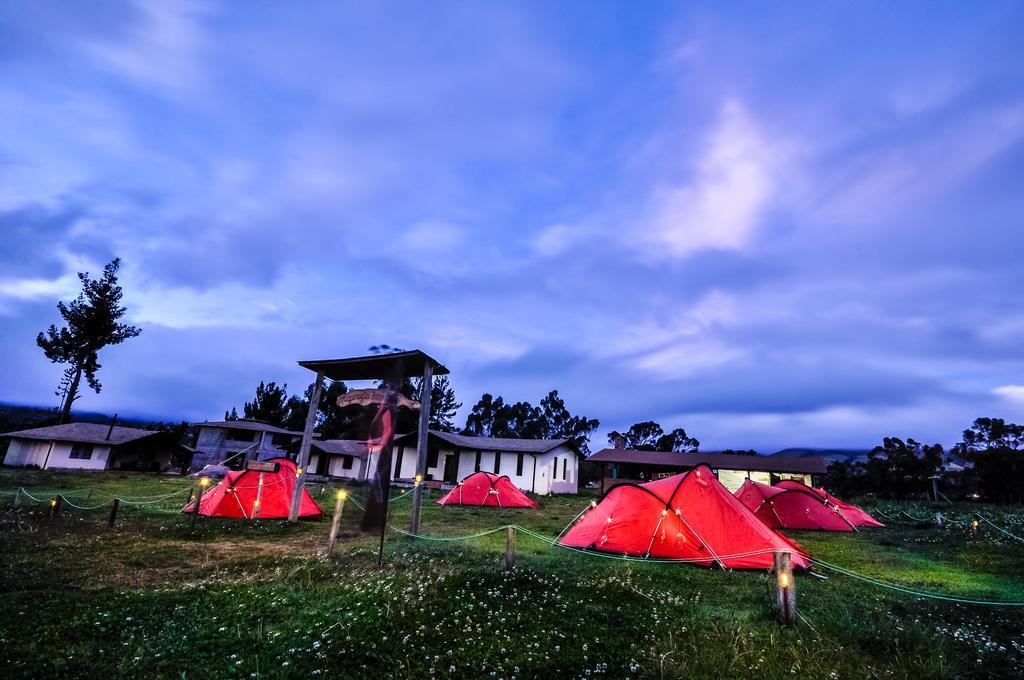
column 262, row 466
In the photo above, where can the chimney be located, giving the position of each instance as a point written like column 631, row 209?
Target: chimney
column 618, row 442
column 111, row 430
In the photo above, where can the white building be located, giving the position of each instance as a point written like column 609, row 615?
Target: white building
column 239, row 441
column 94, row 446
column 344, row 458
column 539, row 466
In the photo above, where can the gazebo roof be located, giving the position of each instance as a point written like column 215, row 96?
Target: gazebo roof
column 374, row 366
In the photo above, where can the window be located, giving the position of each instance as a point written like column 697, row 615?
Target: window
column 476, row 468
column 565, row 465
column 554, row 475
column 346, row 462
column 237, row 435
column 398, row 461
column 281, row 440
column 81, row 451
column 497, row 462
column 519, row 465
column 432, row 457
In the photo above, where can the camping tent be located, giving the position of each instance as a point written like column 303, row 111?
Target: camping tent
column 792, row 508
column 689, row 516
column 236, row 494
column 483, row 488
column 857, row 517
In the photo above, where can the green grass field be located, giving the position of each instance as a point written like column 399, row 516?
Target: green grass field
column 259, row 599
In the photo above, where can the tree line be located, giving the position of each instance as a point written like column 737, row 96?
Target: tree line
column 991, row 453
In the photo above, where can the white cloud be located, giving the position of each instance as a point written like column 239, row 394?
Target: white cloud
column 555, row 240
column 431, row 237
column 1010, row 392
column 722, row 206
column 162, row 49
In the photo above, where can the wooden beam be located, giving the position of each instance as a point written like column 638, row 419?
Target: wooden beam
column 422, row 446
column 786, row 589
column 307, row 442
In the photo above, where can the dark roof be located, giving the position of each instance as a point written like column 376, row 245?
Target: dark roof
column 258, row 425
column 89, row 433
column 726, row 461
column 347, row 447
column 375, row 366
column 508, row 444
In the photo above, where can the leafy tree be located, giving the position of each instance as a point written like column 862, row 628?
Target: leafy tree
column 270, row 404
column 492, row 417
column 649, row 436
column 677, row 440
column 739, row 452
column 91, row 323
column 480, row 421
column 997, row 450
column 896, row 469
column 443, row 404
column 232, row 415
column 561, row 424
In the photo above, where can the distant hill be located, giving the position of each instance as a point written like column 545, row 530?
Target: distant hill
column 846, row 455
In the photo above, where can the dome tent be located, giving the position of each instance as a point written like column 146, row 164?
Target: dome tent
column 236, row 494
column 486, row 489
column 689, row 516
column 792, row 508
column 857, row 517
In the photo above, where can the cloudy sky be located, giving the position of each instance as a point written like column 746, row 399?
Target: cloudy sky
column 771, row 226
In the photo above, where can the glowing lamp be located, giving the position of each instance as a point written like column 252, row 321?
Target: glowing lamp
column 974, row 523
column 53, row 504
column 298, row 472
column 342, row 494
column 419, row 478
column 204, row 482
column 784, row 579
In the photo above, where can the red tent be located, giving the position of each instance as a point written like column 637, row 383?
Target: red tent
column 483, row 488
column 857, row 517
column 236, row 494
column 792, row 508
column 690, row 516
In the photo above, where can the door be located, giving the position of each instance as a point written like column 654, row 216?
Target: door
column 451, row 468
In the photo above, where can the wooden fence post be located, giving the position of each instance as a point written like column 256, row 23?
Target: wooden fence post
column 203, row 481
column 17, row 498
column 55, row 504
column 786, row 589
column 510, row 549
column 259, row 497
column 339, row 506
column 113, row 512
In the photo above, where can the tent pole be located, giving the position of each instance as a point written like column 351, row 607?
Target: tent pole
column 307, row 441
column 423, row 440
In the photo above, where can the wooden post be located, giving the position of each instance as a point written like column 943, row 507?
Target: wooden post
column 422, row 446
column 195, row 511
column 339, row 506
column 259, row 497
column 938, row 519
column 113, row 512
column 510, row 549
column 17, row 498
column 55, row 504
column 935, row 489
column 786, row 589
column 307, row 442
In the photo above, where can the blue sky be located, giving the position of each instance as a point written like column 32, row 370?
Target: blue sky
column 773, row 225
